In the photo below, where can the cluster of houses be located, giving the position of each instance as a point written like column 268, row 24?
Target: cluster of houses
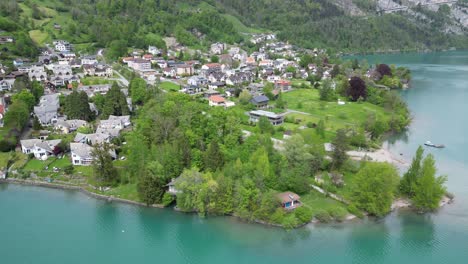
column 81, row 147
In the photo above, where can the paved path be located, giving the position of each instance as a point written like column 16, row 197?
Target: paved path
column 122, row 79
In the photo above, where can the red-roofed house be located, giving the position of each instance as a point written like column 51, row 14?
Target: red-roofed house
column 283, row 85
column 216, row 100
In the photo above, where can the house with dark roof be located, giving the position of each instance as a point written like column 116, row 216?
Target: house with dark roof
column 260, row 101
column 275, row 119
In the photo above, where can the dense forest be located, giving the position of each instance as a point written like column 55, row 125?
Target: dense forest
column 312, row 23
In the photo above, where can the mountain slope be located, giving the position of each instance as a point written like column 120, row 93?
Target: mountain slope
column 345, row 25
column 356, row 25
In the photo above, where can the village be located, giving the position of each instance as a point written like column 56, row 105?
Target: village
column 227, row 70
column 70, row 115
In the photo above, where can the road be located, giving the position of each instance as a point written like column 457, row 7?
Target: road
column 121, row 78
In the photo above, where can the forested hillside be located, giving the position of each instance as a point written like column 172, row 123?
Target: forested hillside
column 345, row 25
column 323, row 23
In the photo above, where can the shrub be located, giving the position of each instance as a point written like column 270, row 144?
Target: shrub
column 278, row 216
column 6, row 146
column 311, row 125
column 323, row 217
column 355, row 211
column 338, row 213
column 289, row 221
column 69, row 169
column 303, row 214
column 167, row 199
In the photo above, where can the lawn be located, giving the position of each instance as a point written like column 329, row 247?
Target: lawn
column 336, row 116
column 4, row 158
column 38, row 36
column 169, row 86
column 127, row 191
column 37, row 165
column 94, row 81
column 318, row 202
column 60, row 163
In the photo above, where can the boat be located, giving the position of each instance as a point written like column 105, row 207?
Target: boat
column 430, row 144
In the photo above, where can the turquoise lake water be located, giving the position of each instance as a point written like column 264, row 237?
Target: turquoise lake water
column 42, row 226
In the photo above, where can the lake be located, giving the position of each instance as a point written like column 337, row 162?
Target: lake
column 40, row 225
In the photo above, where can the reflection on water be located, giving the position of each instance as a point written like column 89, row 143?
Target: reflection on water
column 370, row 243
column 417, row 233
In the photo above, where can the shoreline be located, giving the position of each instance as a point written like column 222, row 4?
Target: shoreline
column 78, row 188
column 81, row 189
column 400, row 51
column 383, row 154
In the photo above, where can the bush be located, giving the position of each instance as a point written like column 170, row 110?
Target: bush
column 7, row 146
column 69, row 169
column 311, row 125
column 338, row 213
column 278, row 216
column 303, row 214
column 323, row 217
column 355, row 211
column 167, row 199
column 289, row 221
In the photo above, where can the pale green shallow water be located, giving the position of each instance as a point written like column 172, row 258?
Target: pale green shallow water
column 52, row 226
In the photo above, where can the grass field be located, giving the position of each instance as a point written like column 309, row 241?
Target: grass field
column 169, row 86
column 318, row 202
column 39, row 37
column 336, row 116
column 239, row 26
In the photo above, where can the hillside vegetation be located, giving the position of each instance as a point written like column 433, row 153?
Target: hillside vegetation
column 344, row 25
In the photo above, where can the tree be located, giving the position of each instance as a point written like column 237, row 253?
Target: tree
column 355, row 64
column 244, row 97
column 384, row 70
column 409, row 179
column 36, row 124
column 76, row 106
column 429, row 189
column 115, row 103
column 26, row 97
column 280, row 102
column 265, row 126
column 357, row 89
column 17, row 115
column 103, row 168
column 117, row 48
column 37, row 90
column 214, row 157
column 335, row 71
column 320, row 129
column 375, row 187
column 151, row 186
column 340, row 145
column 214, row 59
column 197, row 191
column 138, row 90
column 326, row 91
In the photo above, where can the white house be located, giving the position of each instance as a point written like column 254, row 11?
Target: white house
column 62, row 45
column 217, row 48
column 46, row 110
column 139, row 64
column 89, row 60
column 42, row 149
column 154, row 51
column 81, row 154
column 7, row 84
